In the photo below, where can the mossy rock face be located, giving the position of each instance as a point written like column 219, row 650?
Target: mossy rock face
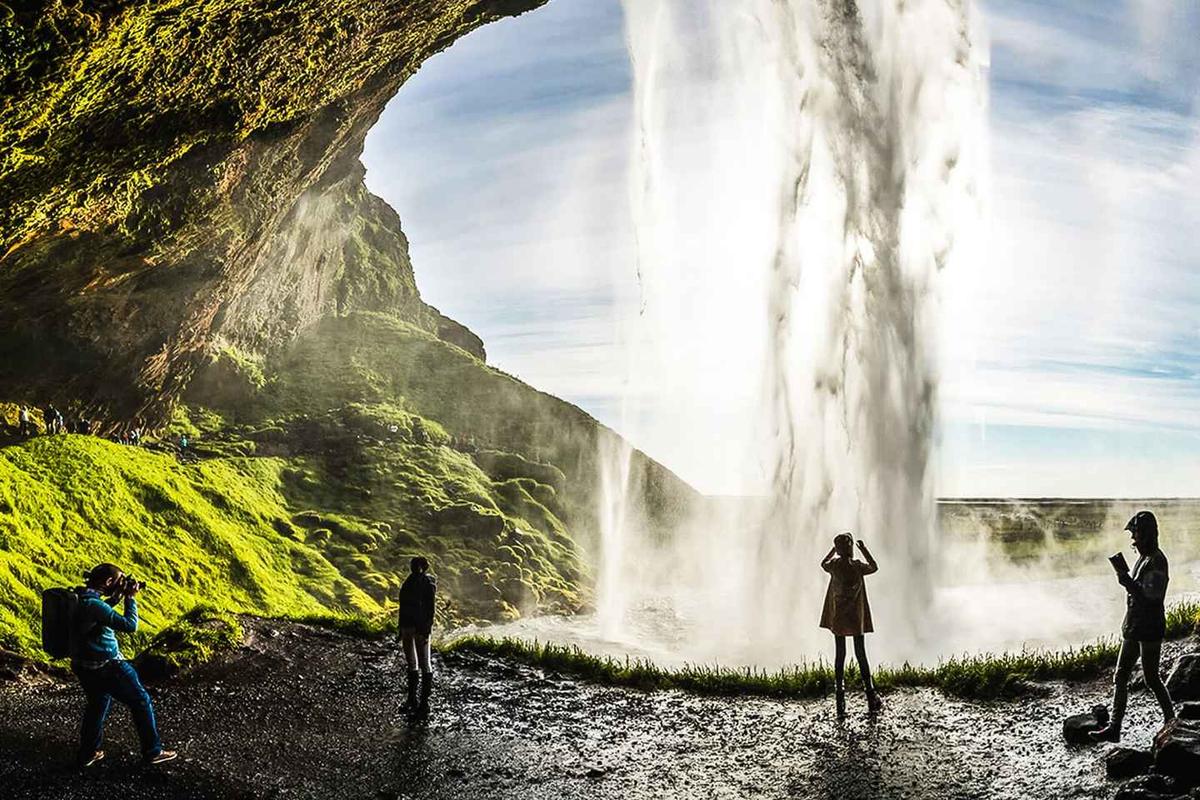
column 158, row 158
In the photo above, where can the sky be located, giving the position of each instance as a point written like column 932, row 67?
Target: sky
column 1070, row 354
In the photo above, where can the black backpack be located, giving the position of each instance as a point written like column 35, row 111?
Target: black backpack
column 60, row 612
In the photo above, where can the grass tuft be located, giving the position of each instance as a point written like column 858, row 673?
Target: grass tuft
column 976, row 677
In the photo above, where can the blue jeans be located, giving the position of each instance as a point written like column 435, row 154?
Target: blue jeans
column 115, row 680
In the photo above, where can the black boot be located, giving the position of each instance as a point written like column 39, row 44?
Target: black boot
column 426, row 690
column 874, row 704
column 839, row 695
column 414, row 681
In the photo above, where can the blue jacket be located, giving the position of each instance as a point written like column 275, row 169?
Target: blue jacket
column 98, row 623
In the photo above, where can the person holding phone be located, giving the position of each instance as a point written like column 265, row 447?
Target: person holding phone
column 1145, row 623
column 847, row 613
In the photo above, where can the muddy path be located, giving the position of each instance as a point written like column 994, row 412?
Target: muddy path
column 307, row 713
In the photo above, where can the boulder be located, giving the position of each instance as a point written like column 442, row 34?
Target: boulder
column 1126, row 762
column 1149, row 787
column 1177, row 751
column 1184, row 681
column 1077, row 728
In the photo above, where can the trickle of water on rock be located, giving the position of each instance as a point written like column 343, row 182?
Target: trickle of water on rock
column 803, row 171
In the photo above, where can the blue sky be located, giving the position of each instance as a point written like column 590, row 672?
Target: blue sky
column 1071, row 364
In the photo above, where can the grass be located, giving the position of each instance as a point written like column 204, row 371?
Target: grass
column 216, row 533
column 976, row 677
column 321, row 531
column 195, row 638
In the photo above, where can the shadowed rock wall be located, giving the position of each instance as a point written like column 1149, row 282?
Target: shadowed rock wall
column 160, row 163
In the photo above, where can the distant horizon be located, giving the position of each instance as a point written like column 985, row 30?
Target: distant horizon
column 991, row 499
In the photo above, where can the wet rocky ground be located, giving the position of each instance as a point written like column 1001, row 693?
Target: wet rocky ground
column 307, row 713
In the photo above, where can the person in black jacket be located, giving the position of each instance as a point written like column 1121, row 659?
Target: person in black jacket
column 1145, row 623
column 416, row 625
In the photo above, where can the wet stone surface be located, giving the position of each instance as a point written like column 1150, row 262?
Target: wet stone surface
column 305, row 713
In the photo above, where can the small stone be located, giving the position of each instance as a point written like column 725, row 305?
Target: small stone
column 1177, row 751
column 1077, row 728
column 596, row 772
column 1126, row 762
column 1149, row 787
column 1184, row 681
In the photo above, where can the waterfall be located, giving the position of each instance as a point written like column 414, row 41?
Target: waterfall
column 803, row 170
column 614, row 518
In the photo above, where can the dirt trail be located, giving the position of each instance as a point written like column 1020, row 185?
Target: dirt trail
column 307, row 713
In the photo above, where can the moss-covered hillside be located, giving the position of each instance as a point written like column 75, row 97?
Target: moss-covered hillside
column 217, row 532
column 263, row 534
column 378, row 358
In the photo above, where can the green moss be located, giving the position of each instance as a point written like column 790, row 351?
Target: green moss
column 195, row 638
column 202, row 534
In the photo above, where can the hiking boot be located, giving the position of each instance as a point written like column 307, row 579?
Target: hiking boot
column 1109, row 733
column 414, row 681
column 162, row 756
column 426, row 691
column 92, row 760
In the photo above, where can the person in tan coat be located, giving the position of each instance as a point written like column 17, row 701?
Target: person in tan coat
column 847, row 613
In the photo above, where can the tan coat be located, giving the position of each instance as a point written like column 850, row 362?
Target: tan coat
column 846, row 611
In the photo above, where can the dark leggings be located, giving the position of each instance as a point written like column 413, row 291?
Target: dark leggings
column 860, row 653
column 1150, row 653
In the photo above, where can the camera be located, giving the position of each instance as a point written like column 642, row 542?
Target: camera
column 129, row 584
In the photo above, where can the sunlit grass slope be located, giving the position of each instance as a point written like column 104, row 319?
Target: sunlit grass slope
column 215, row 533
column 324, row 524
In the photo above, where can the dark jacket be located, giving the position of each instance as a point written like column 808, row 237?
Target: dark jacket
column 97, row 624
column 416, row 602
column 846, row 611
column 1146, row 588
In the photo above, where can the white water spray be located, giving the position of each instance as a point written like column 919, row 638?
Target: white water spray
column 803, row 171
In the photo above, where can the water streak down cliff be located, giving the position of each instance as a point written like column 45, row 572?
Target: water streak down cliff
column 160, row 166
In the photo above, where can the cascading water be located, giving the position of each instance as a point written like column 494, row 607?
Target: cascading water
column 611, row 608
column 803, row 170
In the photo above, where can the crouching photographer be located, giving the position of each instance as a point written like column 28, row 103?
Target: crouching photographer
column 103, row 673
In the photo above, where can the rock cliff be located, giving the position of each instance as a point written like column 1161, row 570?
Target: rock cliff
column 169, row 171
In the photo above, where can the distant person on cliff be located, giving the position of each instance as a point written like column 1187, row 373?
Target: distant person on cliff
column 54, row 420
column 1145, row 623
column 416, row 625
column 25, row 422
column 103, row 672
column 847, row 613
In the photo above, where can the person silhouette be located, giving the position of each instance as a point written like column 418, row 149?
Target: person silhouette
column 1145, row 623
column 415, row 625
column 847, row 613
